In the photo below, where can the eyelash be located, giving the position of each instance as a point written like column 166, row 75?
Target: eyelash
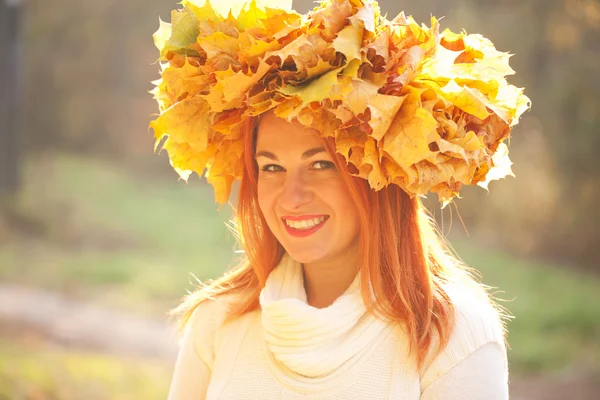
column 328, row 164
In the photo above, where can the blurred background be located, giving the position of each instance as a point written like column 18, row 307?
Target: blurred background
column 99, row 239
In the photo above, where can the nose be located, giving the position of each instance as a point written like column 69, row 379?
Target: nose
column 295, row 192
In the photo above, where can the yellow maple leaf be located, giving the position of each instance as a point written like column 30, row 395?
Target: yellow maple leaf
column 251, row 48
column 470, row 141
column 430, row 174
column 485, row 62
column 367, row 15
column 218, row 43
column 185, row 159
column 349, row 41
column 163, row 34
column 225, row 7
column 467, row 99
column 230, row 88
column 371, row 160
column 225, row 167
column 359, row 95
column 511, row 103
column 331, row 16
column 237, row 85
column 186, row 79
column 203, row 10
column 383, row 110
column 407, row 141
column 318, row 69
column 317, row 90
column 185, row 122
column 452, row 149
column 452, row 41
column 501, row 166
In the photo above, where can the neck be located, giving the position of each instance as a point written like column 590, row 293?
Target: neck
column 325, row 281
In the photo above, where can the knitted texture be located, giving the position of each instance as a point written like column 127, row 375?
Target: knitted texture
column 309, row 341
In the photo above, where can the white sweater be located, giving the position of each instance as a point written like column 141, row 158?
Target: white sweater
column 289, row 350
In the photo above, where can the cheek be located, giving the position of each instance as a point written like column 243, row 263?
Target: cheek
column 338, row 196
column 266, row 199
column 340, row 200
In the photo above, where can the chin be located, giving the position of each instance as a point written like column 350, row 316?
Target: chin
column 306, row 256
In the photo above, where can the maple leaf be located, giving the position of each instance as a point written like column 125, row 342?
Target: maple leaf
column 252, row 49
column 359, row 94
column 349, row 41
column 186, row 79
column 234, row 7
column 185, row 159
column 184, row 32
column 203, row 10
column 317, row 90
column 163, row 34
column 383, row 110
column 187, row 121
column 371, row 160
column 367, row 15
column 225, row 167
column 331, row 16
column 465, row 98
column 409, row 136
column 501, row 166
column 217, row 43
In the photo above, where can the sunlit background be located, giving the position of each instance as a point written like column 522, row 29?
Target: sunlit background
column 99, row 239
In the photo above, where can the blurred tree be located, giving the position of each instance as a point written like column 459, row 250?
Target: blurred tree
column 571, row 93
column 9, row 96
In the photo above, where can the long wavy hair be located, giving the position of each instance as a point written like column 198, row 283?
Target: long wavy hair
column 403, row 257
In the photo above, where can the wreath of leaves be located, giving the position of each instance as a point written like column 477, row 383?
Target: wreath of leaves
column 406, row 104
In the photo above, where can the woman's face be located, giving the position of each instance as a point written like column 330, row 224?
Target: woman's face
column 302, row 194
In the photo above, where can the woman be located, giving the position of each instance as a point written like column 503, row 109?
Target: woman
column 335, row 123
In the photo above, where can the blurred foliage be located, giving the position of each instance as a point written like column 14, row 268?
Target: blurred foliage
column 114, row 234
column 121, row 250
column 33, row 373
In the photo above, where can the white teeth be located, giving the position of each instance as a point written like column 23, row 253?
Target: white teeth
column 305, row 223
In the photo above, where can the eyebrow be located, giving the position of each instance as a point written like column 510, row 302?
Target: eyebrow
column 307, row 154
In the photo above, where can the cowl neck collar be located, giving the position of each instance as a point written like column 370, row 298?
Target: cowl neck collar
column 309, row 341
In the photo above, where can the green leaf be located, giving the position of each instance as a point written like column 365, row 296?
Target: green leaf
column 184, row 32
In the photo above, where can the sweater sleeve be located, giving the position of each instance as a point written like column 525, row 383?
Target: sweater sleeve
column 473, row 364
column 197, row 352
column 480, row 376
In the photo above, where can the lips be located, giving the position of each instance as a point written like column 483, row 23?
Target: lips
column 303, row 217
column 295, row 232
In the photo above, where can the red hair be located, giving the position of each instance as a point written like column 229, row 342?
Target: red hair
column 402, row 256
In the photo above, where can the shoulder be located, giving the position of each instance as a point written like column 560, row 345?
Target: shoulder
column 205, row 327
column 212, row 312
column 477, row 323
column 477, row 320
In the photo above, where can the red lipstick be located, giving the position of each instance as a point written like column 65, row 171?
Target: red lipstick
column 303, row 232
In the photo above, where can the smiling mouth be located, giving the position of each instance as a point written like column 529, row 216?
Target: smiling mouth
column 303, row 226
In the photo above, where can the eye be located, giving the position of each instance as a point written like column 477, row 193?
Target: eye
column 322, row 164
column 271, row 168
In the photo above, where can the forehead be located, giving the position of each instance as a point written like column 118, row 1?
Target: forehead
column 278, row 134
